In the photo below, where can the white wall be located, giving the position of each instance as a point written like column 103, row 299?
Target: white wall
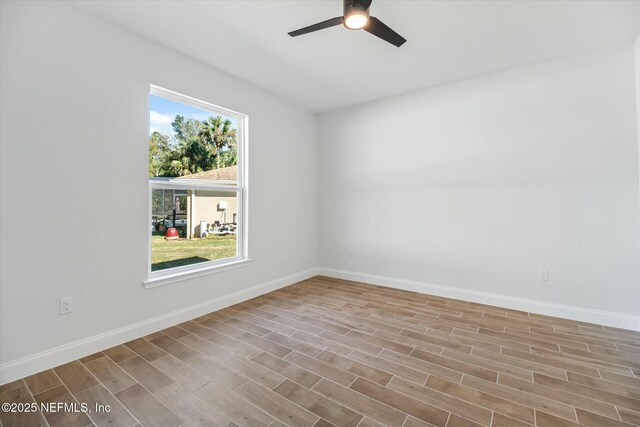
column 496, row 177
column 73, row 178
column 637, row 52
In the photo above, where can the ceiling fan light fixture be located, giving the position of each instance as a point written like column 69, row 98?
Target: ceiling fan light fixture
column 356, row 20
column 356, row 17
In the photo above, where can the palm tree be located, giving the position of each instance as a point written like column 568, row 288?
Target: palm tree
column 179, row 167
column 219, row 136
column 198, row 154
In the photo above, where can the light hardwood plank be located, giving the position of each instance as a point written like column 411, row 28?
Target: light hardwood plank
column 145, row 349
column 321, row 368
column 75, row 376
column 119, row 353
column 145, row 373
column 117, row 415
column 497, row 404
column 181, row 372
column 60, row 417
column 355, row 367
column 189, row 407
column 241, row 412
column 287, row 370
column 404, row 403
column 20, row 395
column 276, row 405
column 444, row 401
column 365, row 405
column 147, row 408
column 318, row 404
column 42, row 381
column 110, row 374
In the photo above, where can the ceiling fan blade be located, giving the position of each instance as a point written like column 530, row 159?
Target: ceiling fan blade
column 379, row 29
column 319, row 26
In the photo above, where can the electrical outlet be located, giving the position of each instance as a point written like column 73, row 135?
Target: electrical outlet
column 543, row 275
column 66, row 305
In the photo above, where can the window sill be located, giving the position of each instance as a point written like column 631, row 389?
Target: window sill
column 192, row 272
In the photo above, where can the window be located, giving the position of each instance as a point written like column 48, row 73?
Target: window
column 197, row 187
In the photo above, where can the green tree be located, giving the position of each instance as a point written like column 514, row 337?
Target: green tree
column 185, row 129
column 195, row 146
column 196, row 151
column 219, row 135
column 179, row 167
column 158, row 147
column 227, row 158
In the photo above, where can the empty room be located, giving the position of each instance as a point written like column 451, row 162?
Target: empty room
column 319, row 213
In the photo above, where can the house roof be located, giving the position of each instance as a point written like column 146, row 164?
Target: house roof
column 229, row 173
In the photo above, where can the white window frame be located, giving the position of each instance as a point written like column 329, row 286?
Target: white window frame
column 239, row 187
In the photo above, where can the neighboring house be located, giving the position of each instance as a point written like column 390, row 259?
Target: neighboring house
column 201, row 205
column 223, row 174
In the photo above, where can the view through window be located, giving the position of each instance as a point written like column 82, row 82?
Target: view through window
column 195, row 182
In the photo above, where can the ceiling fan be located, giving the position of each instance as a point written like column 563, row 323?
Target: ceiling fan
column 356, row 17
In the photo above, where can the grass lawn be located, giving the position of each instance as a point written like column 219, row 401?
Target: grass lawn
column 176, row 253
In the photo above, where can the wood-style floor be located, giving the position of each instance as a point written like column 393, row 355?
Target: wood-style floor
column 327, row 352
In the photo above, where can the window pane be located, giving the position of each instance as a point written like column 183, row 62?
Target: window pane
column 189, row 143
column 206, row 226
column 167, row 202
column 193, row 174
column 156, row 205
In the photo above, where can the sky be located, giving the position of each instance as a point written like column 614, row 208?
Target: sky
column 162, row 112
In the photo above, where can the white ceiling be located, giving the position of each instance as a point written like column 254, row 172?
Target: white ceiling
column 334, row 68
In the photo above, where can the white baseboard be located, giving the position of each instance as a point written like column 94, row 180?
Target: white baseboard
column 35, row 363
column 599, row 317
column 32, row 364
